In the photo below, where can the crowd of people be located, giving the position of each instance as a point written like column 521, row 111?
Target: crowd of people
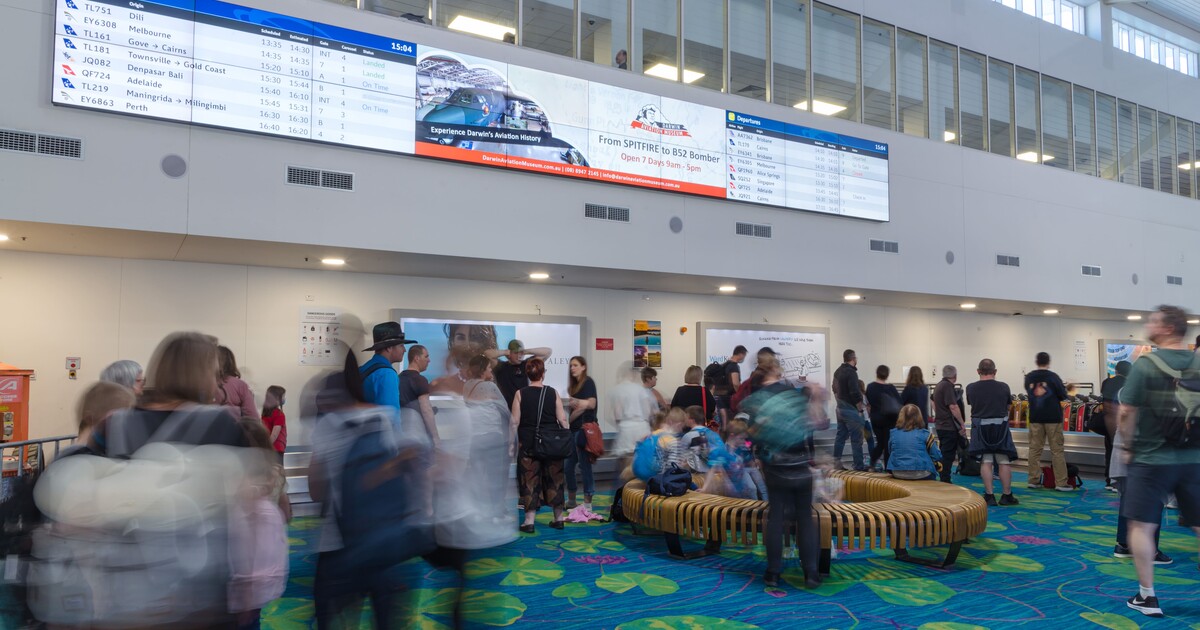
column 179, row 474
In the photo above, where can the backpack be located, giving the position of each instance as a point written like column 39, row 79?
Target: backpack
column 967, row 465
column 1179, row 419
column 616, row 511
column 645, row 458
column 141, row 540
column 1073, row 478
column 381, row 506
column 715, row 373
column 672, row 482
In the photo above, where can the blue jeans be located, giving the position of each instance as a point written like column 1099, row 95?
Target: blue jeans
column 584, row 460
column 850, row 424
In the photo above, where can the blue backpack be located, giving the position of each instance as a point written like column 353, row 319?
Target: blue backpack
column 645, row 458
column 381, row 511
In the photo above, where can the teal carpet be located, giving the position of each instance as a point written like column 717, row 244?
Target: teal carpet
column 1046, row 563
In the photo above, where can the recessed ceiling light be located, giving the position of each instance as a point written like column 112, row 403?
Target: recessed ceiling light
column 1187, row 166
column 3, row 237
column 727, row 288
column 820, row 107
column 336, row 262
column 539, row 275
column 1194, row 321
column 853, row 297
column 949, row 136
column 1032, row 156
column 671, row 73
column 480, row 27
column 1134, row 318
column 967, row 305
column 1050, row 311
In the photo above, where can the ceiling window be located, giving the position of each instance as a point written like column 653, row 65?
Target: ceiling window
column 1064, row 13
column 1150, row 47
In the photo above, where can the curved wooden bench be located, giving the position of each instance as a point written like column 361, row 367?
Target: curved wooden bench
column 881, row 512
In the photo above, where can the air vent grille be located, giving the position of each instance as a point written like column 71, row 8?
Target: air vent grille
column 606, row 213
column 1008, row 261
column 27, row 142
column 887, row 247
column 1091, row 270
column 317, row 178
column 1175, row 280
column 18, row 141
column 756, row 230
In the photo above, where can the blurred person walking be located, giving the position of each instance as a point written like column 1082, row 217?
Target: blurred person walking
column 631, row 409
column 125, row 372
column 489, row 461
column 650, row 383
column 258, row 548
column 582, row 406
column 1161, row 432
column 274, row 420
column 536, row 410
column 232, row 391
column 884, row 403
column 1112, row 410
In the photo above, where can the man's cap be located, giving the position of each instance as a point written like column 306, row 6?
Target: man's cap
column 516, row 345
column 386, row 335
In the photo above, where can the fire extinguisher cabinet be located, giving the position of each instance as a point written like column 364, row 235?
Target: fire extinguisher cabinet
column 14, row 403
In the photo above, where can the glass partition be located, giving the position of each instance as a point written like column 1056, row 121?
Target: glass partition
column 1127, row 141
column 549, row 25
column 704, row 43
column 789, row 53
column 1083, row 127
column 414, row 10
column 1147, row 127
column 835, row 62
column 655, row 39
column 911, row 84
column 1056, row 124
column 1027, row 99
column 1000, row 107
column 1187, row 163
column 878, row 75
column 604, row 32
column 493, row 19
column 973, row 99
column 1167, row 166
column 748, row 48
column 943, row 91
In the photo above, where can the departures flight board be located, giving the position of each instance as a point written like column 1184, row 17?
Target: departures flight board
column 213, row 63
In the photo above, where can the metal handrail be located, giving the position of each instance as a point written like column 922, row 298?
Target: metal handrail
column 25, row 444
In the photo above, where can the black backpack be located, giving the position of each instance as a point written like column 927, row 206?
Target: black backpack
column 672, row 482
column 716, row 375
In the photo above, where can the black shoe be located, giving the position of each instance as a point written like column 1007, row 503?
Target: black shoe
column 812, row 583
column 770, row 578
column 1008, row 499
column 1162, row 558
column 527, row 529
column 556, row 524
column 990, row 499
column 1121, row 551
column 1146, row 605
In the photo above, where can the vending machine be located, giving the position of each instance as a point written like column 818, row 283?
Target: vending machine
column 14, row 403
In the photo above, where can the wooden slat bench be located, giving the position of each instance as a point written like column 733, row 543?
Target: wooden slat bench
column 881, row 512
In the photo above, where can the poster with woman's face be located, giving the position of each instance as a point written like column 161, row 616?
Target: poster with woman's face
column 452, row 343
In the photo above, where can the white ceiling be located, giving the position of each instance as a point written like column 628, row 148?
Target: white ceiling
column 85, row 241
column 1186, row 12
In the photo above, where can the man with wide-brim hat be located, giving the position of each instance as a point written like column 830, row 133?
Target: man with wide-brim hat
column 381, row 384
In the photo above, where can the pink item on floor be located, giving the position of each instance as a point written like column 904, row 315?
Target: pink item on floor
column 580, row 514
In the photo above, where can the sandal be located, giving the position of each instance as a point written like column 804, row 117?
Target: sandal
column 528, row 529
column 557, row 524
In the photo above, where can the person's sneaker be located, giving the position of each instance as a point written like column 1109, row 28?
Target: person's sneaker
column 1172, row 504
column 771, row 579
column 1008, row 499
column 1033, row 486
column 1145, row 605
column 1162, row 558
column 1065, row 489
column 989, row 499
column 1110, row 487
column 1121, row 551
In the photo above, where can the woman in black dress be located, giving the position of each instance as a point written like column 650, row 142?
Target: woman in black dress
column 541, row 481
column 693, row 393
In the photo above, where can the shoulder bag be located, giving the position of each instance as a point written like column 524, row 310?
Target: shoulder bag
column 553, row 442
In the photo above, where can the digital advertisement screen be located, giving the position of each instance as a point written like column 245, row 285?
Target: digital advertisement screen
column 218, row 64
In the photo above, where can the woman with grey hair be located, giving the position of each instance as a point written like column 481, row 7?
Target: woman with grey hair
column 125, row 372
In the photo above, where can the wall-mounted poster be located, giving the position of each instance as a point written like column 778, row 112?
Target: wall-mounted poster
column 803, row 352
column 320, row 331
column 452, row 338
column 647, row 343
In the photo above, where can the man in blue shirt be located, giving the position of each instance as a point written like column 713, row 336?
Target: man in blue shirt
column 381, row 384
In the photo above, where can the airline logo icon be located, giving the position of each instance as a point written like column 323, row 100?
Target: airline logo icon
column 67, row 70
column 71, row 4
column 67, row 83
column 69, row 44
column 650, row 119
column 65, row 96
column 67, row 56
column 67, row 14
column 69, row 30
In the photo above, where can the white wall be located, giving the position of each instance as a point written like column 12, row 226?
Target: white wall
column 104, row 309
column 943, row 198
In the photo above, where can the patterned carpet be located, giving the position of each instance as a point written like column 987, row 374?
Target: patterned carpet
column 1046, row 563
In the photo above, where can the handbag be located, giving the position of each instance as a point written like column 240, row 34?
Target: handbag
column 672, row 482
column 929, row 442
column 595, row 440
column 552, row 443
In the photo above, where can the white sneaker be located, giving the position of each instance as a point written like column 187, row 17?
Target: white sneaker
column 1033, row 486
column 587, row 506
column 1065, row 489
column 1172, row 505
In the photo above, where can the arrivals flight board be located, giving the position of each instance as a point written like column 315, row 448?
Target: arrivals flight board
column 217, row 64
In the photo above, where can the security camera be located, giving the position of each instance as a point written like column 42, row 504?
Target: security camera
column 591, row 22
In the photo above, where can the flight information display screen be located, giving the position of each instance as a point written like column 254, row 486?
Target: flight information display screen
column 222, row 65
